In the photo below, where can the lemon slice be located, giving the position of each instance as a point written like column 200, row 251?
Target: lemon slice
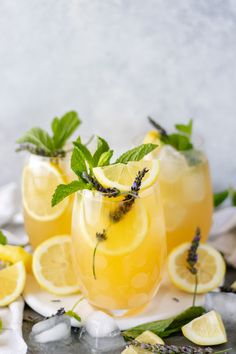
column 14, row 254
column 135, row 224
column 12, row 280
column 134, row 350
column 207, row 329
column 153, row 136
column 40, row 179
column 52, row 266
column 210, row 265
column 121, row 176
column 149, row 337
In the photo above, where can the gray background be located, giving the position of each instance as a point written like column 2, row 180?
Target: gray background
column 116, row 61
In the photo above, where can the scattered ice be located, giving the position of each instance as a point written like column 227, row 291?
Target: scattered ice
column 224, row 303
column 57, row 328
column 173, row 164
column 99, row 324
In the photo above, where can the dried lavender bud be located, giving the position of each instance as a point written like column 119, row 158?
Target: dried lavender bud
column 192, row 253
column 170, row 349
column 100, row 236
column 40, row 152
column 129, row 199
column 157, row 126
column 61, row 311
column 109, row 192
column 227, row 289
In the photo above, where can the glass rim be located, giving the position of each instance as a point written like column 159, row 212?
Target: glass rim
column 97, row 196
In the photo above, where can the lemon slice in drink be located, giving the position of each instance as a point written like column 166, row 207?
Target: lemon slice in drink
column 122, row 176
column 134, row 224
column 52, row 266
column 210, row 265
column 40, row 179
column 14, row 254
column 12, row 280
column 207, row 329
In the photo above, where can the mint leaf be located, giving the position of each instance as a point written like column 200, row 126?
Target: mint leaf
column 87, row 156
column 64, row 127
column 220, row 197
column 71, row 313
column 105, row 158
column 234, row 198
column 185, row 128
column 0, row 325
column 3, row 239
column 64, row 190
column 179, row 142
column 78, row 163
column 164, row 328
column 102, row 146
column 137, row 153
column 39, row 138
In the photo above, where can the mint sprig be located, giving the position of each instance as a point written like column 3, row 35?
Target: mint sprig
column 180, row 140
column 167, row 327
column 3, row 238
column 40, row 142
column 83, row 162
column 0, row 325
column 222, row 196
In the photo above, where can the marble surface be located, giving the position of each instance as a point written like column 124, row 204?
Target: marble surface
column 117, row 61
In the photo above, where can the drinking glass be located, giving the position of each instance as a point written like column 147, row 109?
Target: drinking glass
column 124, row 270
column 41, row 175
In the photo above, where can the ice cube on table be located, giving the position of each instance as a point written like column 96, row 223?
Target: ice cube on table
column 56, row 328
column 102, row 334
column 99, row 324
column 172, row 164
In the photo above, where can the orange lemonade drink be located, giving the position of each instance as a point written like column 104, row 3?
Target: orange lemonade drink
column 41, row 175
column 129, row 263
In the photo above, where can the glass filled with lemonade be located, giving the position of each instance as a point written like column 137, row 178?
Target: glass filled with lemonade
column 119, row 259
column 185, row 183
column 41, row 175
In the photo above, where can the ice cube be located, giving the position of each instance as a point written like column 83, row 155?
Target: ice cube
column 109, row 344
column 194, row 185
column 99, row 324
column 224, row 303
column 172, row 164
column 56, row 328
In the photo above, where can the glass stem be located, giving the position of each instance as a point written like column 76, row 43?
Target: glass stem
column 195, row 290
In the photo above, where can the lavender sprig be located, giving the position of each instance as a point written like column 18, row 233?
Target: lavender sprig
column 100, row 236
column 129, row 199
column 109, row 192
column 192, row 259
column 40, row 151
column 173, row 349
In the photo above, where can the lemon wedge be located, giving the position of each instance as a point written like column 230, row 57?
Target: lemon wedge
column 14, row 254
column 210, row 265
column 121, row 176
column 53, row 268
column 12, row 280
column 40, row 179
column 207, row 329
column 149, row 337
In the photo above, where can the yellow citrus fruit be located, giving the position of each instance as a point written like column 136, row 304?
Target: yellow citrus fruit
column 53, row 268
column 153, row 137
column 210, row 265
column 14, row 254
column 121, row 176
column 12, row 280
column 207, row 329
column 40, row 179
column 149, row 337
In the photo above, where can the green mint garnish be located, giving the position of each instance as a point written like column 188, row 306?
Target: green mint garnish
column 137, row 153
column 220, row 197
column 3, row 238
column 167, row 327
column 234, row 198
column 83, row 162
column 39, row 142
column 0, row 325
column 181, row 140
column 74, row 315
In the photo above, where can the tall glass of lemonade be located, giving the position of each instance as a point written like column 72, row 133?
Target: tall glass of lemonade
column 185, row 183
column 47, row 166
